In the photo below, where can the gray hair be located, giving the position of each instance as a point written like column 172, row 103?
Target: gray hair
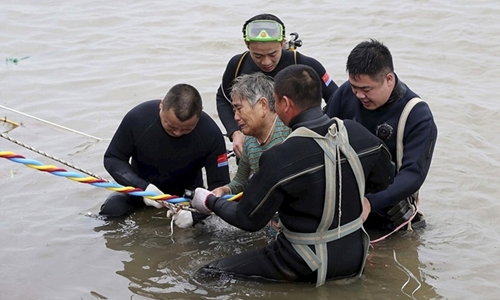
column 253, row 87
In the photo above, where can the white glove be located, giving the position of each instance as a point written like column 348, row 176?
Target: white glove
column 153, row 189
column 199, row 201
column 182, row 218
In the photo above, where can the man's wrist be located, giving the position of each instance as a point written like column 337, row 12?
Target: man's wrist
column 210, row 201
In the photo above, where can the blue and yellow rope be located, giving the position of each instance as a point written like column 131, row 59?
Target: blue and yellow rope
column 99, row 182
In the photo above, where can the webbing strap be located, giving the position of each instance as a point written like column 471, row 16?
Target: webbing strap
column 401, row 130
column 399, row 142
column 322, row 237
column 400, row 133
column 239, row 64
column 300, row 241
column 336, row 139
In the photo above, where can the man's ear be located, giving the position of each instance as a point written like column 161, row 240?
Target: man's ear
column 287, row 111
column 391, row 79
column 289, row 105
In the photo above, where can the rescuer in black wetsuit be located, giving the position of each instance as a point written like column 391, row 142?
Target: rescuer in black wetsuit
column 375, row 97
column 304, row 181
column 264, row 36
column 162, row 146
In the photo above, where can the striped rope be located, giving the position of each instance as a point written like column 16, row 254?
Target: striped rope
column 169, row 201
column 230, row 197
column 165, row 199
column 48, row 155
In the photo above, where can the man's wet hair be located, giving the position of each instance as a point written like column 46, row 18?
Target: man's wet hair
column 370, row 58
column 301, row 84
column 185, row 100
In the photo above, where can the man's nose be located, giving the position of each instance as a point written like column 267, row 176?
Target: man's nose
column 266, row 60
column 360, row 94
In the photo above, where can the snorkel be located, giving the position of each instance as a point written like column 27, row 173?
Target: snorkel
column 293, row 41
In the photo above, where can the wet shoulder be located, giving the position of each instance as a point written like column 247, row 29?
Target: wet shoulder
column 145, row 110
column 308, row 60
column 236, row 58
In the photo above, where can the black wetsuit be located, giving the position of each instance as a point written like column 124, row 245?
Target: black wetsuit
column 248, row 66
column 291, row 180
column 419, row 140
column 172, row 164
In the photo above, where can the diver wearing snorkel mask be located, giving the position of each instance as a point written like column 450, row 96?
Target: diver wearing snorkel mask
column 268, row 52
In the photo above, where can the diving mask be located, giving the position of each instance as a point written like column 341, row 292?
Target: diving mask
column 264, row 31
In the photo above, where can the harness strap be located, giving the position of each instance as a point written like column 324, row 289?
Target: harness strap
column 401, row 130
column 300, row 241
column 333, row 143
column 323, row 237
column 400, row 150
column 239, row 64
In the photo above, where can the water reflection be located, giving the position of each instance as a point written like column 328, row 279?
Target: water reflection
column 165, row 267
column 162, row 266
column 393, row 268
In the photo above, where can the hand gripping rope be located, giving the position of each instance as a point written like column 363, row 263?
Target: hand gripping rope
column 167, row 200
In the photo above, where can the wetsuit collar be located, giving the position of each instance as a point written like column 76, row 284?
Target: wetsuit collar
column 309, row 118
column 397, row 93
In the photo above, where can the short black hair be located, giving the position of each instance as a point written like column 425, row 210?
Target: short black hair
column 185, row 100
column 370, row 58
column 301, row 84
column 263, row 17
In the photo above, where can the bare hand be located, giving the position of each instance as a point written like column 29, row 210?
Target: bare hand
column 238, row 139
column 367, row 208
column 221, row 191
